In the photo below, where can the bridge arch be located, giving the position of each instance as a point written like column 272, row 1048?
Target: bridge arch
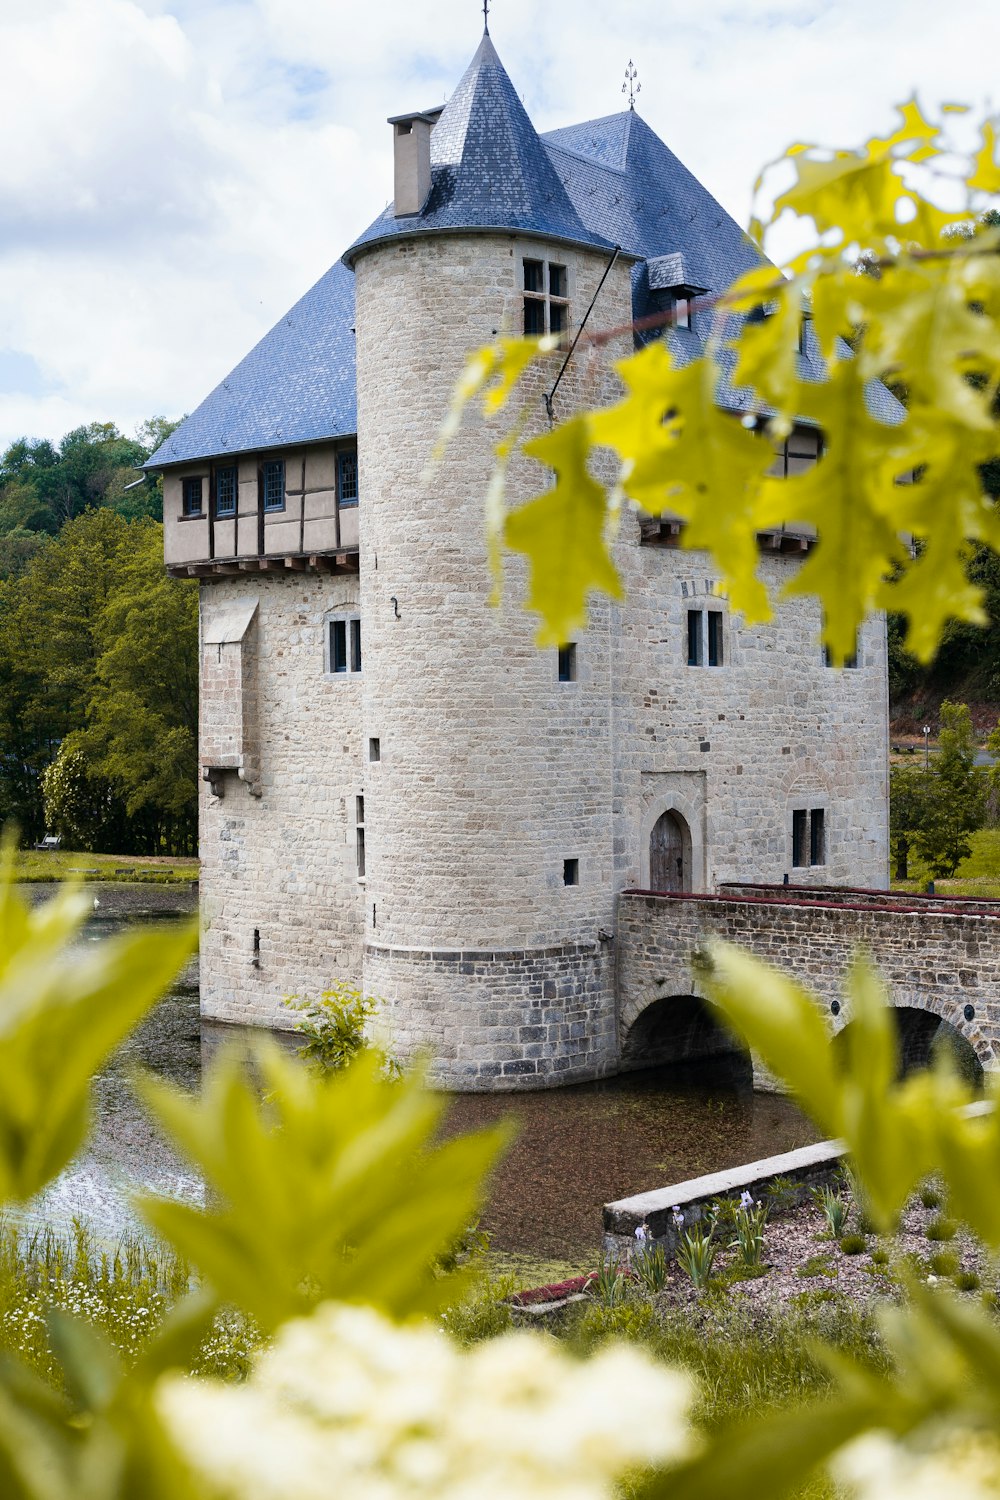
column 682, row 1029
column 923, row 1024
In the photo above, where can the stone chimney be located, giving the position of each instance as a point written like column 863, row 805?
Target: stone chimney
column 411, row 140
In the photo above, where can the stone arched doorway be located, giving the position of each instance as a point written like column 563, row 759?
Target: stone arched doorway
column 670, row 853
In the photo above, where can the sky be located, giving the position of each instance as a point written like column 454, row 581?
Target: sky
column 176, row 173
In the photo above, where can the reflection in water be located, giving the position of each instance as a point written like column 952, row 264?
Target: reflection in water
column 577, row 1148
column 581, row 1147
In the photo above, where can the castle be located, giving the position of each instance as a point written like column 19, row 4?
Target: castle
column 399, row 788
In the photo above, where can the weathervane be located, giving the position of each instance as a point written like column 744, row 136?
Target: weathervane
column 631, row 86
column 486, row 16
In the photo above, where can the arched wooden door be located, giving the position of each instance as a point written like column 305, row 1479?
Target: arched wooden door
column 669, row 854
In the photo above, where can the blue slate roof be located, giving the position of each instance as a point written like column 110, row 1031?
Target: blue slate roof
column 603, row 183
column 489, row 169
column 296, row 386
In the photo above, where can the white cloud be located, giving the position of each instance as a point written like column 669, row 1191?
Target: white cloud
column 178, row 172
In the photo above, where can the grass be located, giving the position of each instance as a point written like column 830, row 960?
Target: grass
column 34, row 865
column 941, row 1229
column 126, row 1291
column 977, row 878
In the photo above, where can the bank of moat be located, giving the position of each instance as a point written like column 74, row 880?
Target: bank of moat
column 398, row 787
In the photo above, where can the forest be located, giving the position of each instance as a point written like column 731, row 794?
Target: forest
column 98, row 649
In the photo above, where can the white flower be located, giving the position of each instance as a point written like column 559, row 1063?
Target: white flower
column 965, row 1466
column 641, row 1233
column 746, row 1199
column 347, row 1404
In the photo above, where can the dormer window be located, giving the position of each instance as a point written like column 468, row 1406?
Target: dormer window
column 546, row 298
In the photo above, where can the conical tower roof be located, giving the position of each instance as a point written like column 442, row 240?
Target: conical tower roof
column 489, row 168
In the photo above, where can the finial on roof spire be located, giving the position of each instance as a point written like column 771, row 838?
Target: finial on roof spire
column 486, row 17
column 631, row 86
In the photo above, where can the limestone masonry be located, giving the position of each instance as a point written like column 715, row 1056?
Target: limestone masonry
column 399, row 788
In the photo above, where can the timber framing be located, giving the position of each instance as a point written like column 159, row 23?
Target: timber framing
column 343, row 561
column 666, row 531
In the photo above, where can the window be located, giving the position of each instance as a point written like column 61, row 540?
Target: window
column 374, row 750
column 808, row 837
column 682, row 312
column 571, row 872
column 849, row 662
column 274, row 485
column 359, row 834
column 704, row 638
column 546, row 298
column 191, row 496
column 225, row 492
column 797, row 453
column 344, row 646
column 347, row 477
column 567, row 663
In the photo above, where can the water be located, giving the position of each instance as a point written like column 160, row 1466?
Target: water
column 576, row 1149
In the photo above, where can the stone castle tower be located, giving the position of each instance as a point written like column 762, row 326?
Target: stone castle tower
column 400, row 789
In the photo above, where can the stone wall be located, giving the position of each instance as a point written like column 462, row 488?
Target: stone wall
column 935, row 961
column 512, row 1020
column 282, row 864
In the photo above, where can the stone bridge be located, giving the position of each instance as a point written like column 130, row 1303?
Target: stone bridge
column 939, row 956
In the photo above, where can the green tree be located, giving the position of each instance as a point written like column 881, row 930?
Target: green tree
column 141, row 734
column 954, row 803
column 907, row 805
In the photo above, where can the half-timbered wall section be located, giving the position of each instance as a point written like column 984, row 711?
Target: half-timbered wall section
column 295, row 508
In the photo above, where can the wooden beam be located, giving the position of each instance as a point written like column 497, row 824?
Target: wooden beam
column 298, row 564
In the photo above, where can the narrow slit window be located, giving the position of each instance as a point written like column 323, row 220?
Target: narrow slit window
column 347, row 477
column 817, row 836
column 567, row 663
column 274, row 485
column 338, row 645
column 694, row 638
column 374, row 749
column 355, row 645
column 571, row 872
column 715, row 638
column 359, row 810
column 360, row 832
column 225, row 492
column 191, row 496
column 800, row 836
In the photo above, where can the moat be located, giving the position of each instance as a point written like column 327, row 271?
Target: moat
column 576, row 1149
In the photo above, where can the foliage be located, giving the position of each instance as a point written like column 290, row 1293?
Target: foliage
column 335, row 1025
column 748, row 1240
column 696, row 1255
column 609, row 1282
column 941, row 1228
column 926, row 321
column 98, row 657
column 43, row 486
column 650, row 1267
column 853, row 1244
column 833, row 1208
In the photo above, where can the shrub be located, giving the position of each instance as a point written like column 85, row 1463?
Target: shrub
column 833, row 1207
column 334, row 1026
column 817, row 1265
column 941, row 1228
column 749, row 1233
column 944, row 1263
column 696, row 1255
column 930, row 1197
column 609, row 1283
column 967, row 1281
column 650, row 1268
column 880, row 1256
column 853, row 1244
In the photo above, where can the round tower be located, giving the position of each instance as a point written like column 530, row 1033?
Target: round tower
column 489, row 898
